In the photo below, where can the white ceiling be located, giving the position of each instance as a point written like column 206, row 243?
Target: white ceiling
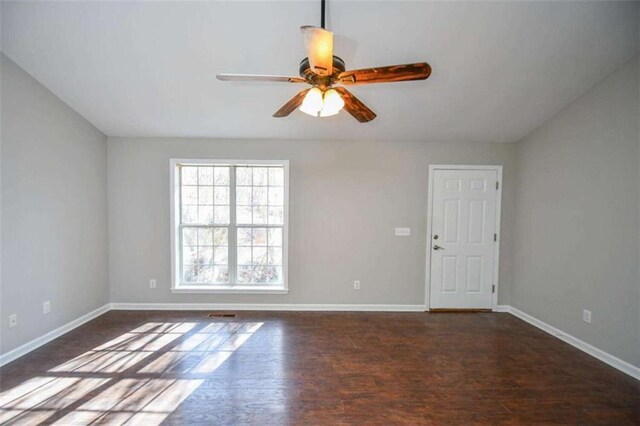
column 148, row 68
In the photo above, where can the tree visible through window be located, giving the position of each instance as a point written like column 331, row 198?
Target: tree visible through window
column 229, row 224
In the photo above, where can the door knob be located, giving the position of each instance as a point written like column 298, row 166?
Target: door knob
column 437, row 247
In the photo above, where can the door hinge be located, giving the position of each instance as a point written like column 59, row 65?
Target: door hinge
column 497, row 185
column 493, row 288
column 495, row 237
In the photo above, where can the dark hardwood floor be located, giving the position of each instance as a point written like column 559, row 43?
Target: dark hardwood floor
column 308, row 368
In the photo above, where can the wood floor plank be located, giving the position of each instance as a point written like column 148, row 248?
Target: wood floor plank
column 308, row 368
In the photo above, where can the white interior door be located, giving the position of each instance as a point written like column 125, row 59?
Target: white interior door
column 463, row 225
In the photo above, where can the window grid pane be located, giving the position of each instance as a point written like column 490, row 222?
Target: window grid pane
column 204, row 195
column 259, row 195
column 205, row 253
column 259, row 255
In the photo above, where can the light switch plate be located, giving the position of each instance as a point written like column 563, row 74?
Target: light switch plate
column 13, row 320
column 403, row 232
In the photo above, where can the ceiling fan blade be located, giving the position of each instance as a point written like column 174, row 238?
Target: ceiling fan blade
column 354, row 107
column 319, row 45
column 390, row 74
column 291, row 106
column 259, row 77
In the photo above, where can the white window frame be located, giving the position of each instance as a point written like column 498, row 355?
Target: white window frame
column 174, row 204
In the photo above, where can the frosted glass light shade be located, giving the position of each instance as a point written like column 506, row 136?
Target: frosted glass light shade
column 319, row 45
column 332, row 103
column 312, row 103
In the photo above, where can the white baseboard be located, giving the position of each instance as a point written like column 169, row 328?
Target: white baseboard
column 603, row 356
column 502, row 308
column 263, row 307
column 46, row 338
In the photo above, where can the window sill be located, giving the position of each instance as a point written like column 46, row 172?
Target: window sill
column 231, row 290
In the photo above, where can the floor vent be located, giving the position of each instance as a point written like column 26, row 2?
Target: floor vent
column 221, row 315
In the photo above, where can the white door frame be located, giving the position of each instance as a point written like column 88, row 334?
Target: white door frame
column 496, row 262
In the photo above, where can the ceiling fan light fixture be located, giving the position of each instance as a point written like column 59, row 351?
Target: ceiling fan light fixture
column 322, row 70
column 332, row 103
column 312, row 103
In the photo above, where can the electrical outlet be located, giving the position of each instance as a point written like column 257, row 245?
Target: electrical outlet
column 152, row 283
column 356, row 285
column 13, row 320
column 586, row 316
column 403, row 232
column 46, row 307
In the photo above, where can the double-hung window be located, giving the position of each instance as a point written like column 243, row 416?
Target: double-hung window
column 229, row 226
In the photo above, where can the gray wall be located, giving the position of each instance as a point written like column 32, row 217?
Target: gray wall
column 346, row 198
column 577, row 218
column 54, row 210
column 570, row 238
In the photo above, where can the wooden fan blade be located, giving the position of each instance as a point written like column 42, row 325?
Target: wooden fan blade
column 258, row 77
column 390, row 74
column 354, row 107
column 319, row 45
column 291, row 106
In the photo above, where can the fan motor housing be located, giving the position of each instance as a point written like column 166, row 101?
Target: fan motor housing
column 317, row 80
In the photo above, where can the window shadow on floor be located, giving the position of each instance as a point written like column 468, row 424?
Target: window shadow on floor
column 140, row 377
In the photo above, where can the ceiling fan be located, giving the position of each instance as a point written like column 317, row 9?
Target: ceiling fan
column 324, row 71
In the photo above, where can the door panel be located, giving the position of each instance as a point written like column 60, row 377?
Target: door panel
column 451, row 220
column 462, row 244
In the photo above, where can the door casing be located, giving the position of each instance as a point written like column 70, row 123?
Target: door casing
column 496, row 263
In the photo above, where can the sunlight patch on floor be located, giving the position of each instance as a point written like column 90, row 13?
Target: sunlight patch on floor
column 44, row 395
column 126, row 350
column 128, row 376
column 145, row 402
